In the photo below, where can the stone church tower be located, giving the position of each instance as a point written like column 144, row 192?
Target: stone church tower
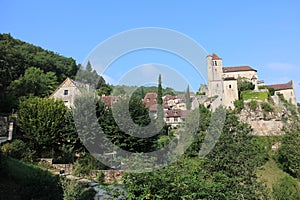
column 215, row 72
column 225, row 88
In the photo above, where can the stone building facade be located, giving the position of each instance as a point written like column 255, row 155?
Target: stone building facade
column 68, row 90
column 223, row 83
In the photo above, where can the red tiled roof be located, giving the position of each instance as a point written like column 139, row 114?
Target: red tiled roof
column 150, row 99
column 238, row 69
column 215, row 57
column 110, row 100
column 284, row 86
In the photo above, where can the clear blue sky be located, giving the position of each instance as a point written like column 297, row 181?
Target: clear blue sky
column 262, row 34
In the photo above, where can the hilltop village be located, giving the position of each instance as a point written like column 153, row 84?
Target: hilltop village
column 223, row 89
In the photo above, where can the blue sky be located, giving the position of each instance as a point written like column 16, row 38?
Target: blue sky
column 262, row 34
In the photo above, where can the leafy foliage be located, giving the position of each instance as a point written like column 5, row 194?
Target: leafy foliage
column 188, row 98
column 253, row 105
column 289, row 152
column 227, row 172
column 239, row 105
column 90, row 76
column 75, row 190
column 16, row 57
column 159, row 91
column 45, row 126
column 266, row 107
column 244, row 85
column 15, row 149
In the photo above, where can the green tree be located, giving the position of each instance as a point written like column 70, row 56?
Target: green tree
column 17, row 56
column 42, row 122
column 289, row 152
column 34, row 82
column 244, row 85
column 188, row 98
column 90, row 76
column 228, row 172
column 159, row 91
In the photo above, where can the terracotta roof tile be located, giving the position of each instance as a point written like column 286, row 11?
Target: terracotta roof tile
column 150, row 99
column 110, row 100
column 284, row 86
column 215, row 57
column 238, row 69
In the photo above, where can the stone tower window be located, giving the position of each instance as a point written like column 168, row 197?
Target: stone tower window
column 229, row 86
column 66, row 92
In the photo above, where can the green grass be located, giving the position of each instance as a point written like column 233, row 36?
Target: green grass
column 249, row 94
column 270, row 174
column 32, row 182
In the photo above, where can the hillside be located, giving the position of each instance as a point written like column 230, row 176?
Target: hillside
column 17, row 56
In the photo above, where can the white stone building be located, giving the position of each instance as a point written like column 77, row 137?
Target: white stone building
column 222, row 83
column 67, row 91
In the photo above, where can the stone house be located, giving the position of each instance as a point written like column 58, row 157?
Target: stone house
column 68, row 90
column 286, row 89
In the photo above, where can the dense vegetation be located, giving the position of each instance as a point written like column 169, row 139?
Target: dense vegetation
column 44, row 71
column 46, row 128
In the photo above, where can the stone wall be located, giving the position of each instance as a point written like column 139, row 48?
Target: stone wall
column 266, row 128
column 265, row 123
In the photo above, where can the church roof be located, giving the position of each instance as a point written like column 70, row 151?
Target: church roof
column 215, row 57
column 238, row 69
column 284, row 86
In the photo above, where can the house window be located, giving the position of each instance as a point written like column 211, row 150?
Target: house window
column 148, row 100
column 66, row 92
column 229, row 86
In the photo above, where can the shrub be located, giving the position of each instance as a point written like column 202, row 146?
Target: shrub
column 266, row 107
column 76, row 190
column 262, row 87
column 253, row 105
column 15, row 149
column 289, row 153
column 271, row 91
column 239, row 105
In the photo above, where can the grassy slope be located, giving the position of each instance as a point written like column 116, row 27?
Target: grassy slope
column 19, row 178
column 270, row 173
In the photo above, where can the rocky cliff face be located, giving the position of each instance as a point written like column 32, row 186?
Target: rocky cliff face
column 265, row 123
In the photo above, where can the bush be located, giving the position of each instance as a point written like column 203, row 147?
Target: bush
column 286, row 188
column 15, row 149
column 75, row 190
column 271, row 91
column 289, row 153
column 253, row 105
column 84, row 165
column 262, row 87
column 266, row 107
column 239, row 105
